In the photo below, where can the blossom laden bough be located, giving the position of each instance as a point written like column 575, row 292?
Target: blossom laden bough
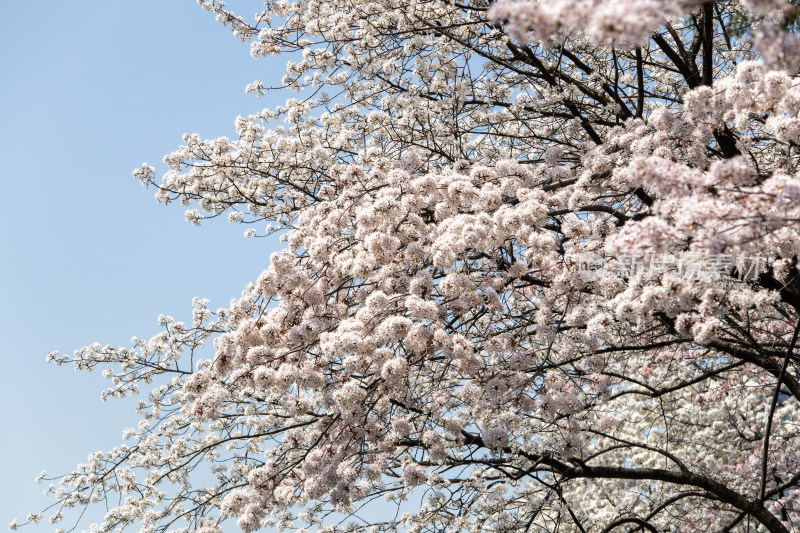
column 432, row 334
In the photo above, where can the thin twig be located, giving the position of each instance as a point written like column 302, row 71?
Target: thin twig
column 772, row 413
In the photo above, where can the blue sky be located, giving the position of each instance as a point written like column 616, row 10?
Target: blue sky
column 90, row 90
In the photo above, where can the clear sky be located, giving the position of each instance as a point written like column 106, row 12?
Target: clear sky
column 89, row 89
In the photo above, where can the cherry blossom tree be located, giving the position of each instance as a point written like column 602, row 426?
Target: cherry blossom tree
column 541, row 274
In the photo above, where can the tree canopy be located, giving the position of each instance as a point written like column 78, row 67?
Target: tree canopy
column 541, row 274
